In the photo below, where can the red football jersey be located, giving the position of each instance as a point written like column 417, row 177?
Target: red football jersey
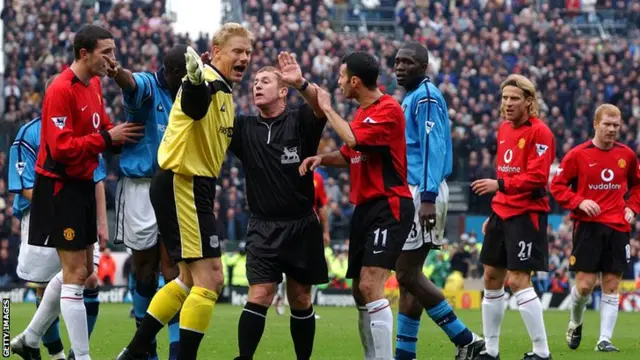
column 378, row 163
column 320, row 194
column 604, row 176
column 523, row 161
column 74, row 128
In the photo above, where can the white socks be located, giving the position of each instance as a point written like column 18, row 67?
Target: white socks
column 75, row 318
column 381, row 328
column 531, row 312
column 493, row 307
column 47, row 312
column 364, row 327
column 578, row 304
column 608, row 315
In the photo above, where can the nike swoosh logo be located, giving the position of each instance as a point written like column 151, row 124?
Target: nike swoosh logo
column 502, row 141
column 592, row 165
column 78, row 294
column 377, row 252
column 84, row 108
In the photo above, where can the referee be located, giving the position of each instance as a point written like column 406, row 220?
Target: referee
column 183, row 191
column 284, row 234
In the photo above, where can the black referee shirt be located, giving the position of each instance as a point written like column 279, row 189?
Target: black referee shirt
column 271, row 151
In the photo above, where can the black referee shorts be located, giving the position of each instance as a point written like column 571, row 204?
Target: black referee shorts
column 292, row 247
column 63, row 214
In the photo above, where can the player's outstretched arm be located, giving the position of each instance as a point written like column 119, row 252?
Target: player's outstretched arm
column 332, row 159
column 123, row 77
column 338, row 124
column 292, row 75
column 195, row 95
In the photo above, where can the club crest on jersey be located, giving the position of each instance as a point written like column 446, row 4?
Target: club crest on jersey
column 160, row 108
column 541, row 149
column 521, row 143
column 223, row 108
column 290, row 155
column 59, row 121
column 20, row 167
column 622, row 164
column 428, row 126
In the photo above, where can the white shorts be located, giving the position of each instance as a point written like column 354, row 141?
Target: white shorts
column 136, row 225
column 416, row 238
column 40, row 264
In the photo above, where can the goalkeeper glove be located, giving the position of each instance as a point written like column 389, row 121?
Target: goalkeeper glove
column 195, row 69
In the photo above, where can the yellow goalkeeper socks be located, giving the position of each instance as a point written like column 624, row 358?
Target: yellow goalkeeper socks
column 168, row 301
column 164, row 305
column 194, row 320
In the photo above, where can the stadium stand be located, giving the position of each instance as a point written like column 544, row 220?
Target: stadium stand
column 580, row 54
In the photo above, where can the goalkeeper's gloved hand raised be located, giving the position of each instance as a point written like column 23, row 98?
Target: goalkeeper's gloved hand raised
column 195, row 69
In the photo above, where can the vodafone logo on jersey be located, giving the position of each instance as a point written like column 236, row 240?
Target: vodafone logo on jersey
column 508, row 156
column 607, row 176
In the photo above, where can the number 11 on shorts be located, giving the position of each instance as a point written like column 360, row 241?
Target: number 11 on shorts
column 376, row 237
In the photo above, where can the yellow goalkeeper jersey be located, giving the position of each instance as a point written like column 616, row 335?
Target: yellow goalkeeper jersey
column 200, row 127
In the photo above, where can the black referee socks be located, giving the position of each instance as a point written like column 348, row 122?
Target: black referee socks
column 250, row 329
column 303, row 331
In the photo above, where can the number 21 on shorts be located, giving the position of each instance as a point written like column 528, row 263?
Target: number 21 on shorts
column 525, row 250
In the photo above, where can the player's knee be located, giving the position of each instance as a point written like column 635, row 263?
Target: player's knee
column 519, row 280
column 169, row 271
column 370, row 290
column 493, row 278
column 408, row 277
column 262, row 294
column 300, row 297
column 585, row 283
column 610, row 283
column 207, row 273
column 92, row 281
column 75, row 275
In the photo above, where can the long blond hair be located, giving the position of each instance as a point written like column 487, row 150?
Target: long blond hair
column 527, row 88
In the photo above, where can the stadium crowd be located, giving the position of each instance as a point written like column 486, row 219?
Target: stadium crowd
column 473, row 45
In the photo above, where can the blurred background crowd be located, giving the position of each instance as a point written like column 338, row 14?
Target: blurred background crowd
column 579, row 54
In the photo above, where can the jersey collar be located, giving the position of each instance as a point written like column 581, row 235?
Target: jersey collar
column 222, row 77
column 159, row 75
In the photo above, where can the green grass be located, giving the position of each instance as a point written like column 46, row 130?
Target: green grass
column 337, row 335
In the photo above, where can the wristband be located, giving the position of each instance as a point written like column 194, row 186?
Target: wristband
column 304, row 86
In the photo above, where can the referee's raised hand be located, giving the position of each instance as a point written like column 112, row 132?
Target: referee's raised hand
column 126, row 132
column 309, row 164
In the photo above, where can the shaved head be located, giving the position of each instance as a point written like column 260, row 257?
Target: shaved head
column 421, row 54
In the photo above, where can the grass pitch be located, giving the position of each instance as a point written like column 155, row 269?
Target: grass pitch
column 337, row 335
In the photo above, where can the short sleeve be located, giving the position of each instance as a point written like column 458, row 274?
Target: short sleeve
column 22, row 164
column 375, row 131
column 100, row 173
column 135, row 99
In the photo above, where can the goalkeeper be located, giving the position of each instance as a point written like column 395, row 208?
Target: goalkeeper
column 182, row 192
